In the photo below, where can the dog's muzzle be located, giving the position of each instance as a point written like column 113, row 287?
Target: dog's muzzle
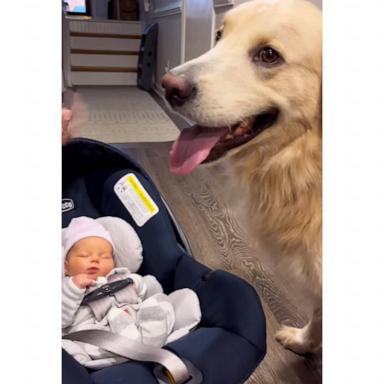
column 177, row 89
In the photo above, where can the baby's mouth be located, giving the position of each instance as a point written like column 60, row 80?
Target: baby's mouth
column 92, row 270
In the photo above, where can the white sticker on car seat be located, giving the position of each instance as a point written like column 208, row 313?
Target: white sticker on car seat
column 136, row 199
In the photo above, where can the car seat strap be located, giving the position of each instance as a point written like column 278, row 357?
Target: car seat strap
column 176, row 370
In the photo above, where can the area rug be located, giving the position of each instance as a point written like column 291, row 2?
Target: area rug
column 124, row 115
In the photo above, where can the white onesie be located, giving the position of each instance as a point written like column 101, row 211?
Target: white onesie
column 141, row 312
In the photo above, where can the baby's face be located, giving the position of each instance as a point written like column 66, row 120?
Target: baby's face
column 92, row 256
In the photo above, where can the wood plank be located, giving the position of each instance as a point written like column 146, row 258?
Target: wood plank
column 106, row 26
column 105, row 35
column 104, row 43
column 103, row 78
column 78, row 68
column 103, row 52
column 82, row 60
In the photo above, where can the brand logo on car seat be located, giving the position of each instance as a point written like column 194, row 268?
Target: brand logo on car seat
column 67, row 205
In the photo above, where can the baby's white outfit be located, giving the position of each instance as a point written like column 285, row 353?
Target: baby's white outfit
column 140, row 311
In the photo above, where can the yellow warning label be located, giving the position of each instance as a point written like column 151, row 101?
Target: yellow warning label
column 141, row 193
column 135, row 199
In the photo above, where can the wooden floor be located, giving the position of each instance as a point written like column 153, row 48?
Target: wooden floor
column 218, row 241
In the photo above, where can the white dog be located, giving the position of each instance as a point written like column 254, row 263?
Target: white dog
column 256, row 100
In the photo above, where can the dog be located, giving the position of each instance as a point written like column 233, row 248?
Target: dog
column 256, row 100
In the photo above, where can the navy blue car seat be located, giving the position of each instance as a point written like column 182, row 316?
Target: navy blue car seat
column 230, row 341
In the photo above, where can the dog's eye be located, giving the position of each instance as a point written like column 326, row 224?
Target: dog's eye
column 268, row 55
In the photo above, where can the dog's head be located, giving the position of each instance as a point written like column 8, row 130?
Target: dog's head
column 260, row 84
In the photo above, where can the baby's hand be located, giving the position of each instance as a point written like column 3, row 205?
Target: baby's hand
column 83, row 281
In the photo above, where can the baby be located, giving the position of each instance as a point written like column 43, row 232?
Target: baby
column 140, row 310
column 90, row 257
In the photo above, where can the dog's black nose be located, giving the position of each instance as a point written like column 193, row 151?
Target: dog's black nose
column 177, row 89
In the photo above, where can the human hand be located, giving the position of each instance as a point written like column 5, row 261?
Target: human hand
column 74, row 113
column 66, row 115
column 83, row 281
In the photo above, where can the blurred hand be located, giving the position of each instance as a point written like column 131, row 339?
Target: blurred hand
column 66, row 115
column 83, row 281
column 74, row 113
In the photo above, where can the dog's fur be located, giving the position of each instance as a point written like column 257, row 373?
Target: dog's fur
column 279, row 172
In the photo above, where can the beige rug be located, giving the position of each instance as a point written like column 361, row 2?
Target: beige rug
column 124, row 115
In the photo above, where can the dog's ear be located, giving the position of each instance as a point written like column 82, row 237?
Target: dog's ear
column 219, row 33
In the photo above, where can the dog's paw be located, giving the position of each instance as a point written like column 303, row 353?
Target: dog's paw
column 296, row 340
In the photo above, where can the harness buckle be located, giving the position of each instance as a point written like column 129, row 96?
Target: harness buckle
column 164, row 376
column 106, row 290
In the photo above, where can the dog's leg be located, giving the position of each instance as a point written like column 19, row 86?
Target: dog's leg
column 303, row 340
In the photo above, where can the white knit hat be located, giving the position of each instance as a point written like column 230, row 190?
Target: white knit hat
column 80, row 228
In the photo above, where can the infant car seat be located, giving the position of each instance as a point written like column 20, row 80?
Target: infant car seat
column 230, row 341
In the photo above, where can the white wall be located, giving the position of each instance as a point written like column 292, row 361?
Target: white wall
column 198, row 27
column 185, row 31
column 169, row 16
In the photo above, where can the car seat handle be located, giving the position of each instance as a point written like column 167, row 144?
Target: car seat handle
column 176, row 370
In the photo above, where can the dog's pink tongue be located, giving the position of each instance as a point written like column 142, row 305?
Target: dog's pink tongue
column 192, row 147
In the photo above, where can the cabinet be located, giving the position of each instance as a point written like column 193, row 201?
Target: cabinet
column 186, row 30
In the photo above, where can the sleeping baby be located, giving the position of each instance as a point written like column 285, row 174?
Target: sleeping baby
column 136, row 307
